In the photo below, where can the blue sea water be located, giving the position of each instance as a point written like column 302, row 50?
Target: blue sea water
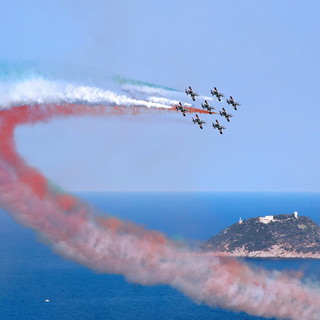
column 30, row 272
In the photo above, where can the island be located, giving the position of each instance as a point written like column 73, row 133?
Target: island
column 280, row 236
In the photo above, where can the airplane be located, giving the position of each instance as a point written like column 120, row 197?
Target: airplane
column 198, row 121
column 181, row 108
column 206, row 106
column 191, row 93
column 233, row 103
column 216, row 93
column 218, row 126
column 224, row 113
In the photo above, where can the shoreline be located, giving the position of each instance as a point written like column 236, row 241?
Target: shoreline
column 267, row 255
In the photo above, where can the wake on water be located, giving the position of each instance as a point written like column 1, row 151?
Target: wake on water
column 110, row 245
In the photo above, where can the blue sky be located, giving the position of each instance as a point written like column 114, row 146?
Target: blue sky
column 265, row 53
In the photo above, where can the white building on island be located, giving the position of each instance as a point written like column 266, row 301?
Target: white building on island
column 266, row 219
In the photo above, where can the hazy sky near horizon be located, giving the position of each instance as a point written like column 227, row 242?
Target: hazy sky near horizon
column 264, row 53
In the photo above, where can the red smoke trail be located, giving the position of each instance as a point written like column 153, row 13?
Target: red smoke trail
column 195, row 110
column 110, row 245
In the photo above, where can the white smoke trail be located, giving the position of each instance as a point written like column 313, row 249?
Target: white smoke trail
column 153, row 94
column 39, row 90
column 167, row 101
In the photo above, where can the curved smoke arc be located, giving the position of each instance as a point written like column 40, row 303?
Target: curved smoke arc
column 107, row 244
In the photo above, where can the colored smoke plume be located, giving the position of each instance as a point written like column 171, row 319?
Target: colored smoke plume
column 107, row 244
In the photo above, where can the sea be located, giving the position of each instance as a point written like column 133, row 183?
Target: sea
column 30, row 272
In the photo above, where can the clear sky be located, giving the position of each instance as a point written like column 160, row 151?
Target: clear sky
column 264, row 53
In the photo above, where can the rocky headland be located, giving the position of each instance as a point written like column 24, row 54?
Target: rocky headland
column 280, row 236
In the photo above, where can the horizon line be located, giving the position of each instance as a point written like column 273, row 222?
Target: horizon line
column 187, row 191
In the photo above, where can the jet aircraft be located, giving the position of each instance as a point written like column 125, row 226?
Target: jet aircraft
column 218, row 126
column 224, row 113
column 192, row 94
column 206, row 106
column 233, row 103
column 181, row 108
column 217, row 94
column 198, row 121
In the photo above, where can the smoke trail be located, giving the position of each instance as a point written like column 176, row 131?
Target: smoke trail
column 38, row 90
column 125, row 81
column 148, row 90
column 109, row 245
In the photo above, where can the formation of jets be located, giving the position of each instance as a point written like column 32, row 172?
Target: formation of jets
column 206, row 106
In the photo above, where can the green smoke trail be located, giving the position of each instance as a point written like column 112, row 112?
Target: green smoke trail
column 17, row 70
column 123, row 80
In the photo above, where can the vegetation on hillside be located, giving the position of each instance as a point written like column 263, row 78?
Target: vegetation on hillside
column 300, row 235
